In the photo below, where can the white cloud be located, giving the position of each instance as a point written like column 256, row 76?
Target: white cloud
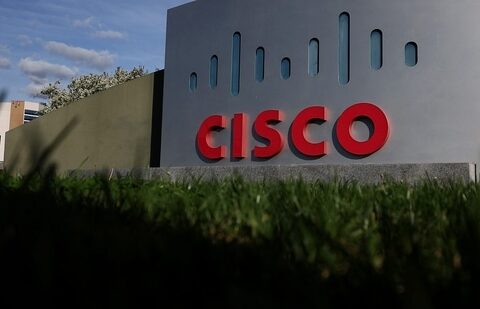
column 39, row 73
column 34, row 89
column 38, row 80
column 4, row 63
column 109, row 34
column 100, row 60
column 83, row 23
column 25, row 40
column 38, row 70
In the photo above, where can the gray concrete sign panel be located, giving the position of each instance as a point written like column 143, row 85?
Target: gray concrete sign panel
column 418, row 60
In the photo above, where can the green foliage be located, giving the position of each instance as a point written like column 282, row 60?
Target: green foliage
column 240, row 244
column 86, row 85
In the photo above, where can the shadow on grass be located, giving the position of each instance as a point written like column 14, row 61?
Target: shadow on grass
column 60, row 255
column 62, row 247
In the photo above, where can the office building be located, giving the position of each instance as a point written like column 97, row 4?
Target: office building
column 14, row 114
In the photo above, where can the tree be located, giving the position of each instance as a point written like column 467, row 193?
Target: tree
column 83, row 86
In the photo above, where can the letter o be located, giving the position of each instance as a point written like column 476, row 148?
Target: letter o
column 380, row 134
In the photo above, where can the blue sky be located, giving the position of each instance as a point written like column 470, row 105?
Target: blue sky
column 46, row 40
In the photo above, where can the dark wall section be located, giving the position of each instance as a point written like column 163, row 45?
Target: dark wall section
column 157, row 108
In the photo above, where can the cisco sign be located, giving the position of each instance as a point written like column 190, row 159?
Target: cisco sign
column 308, row 82
column 264, row 128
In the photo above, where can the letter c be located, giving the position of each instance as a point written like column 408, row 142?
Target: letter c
column 298, row 131
column 205, row 140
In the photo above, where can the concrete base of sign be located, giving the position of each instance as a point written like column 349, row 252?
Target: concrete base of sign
column 363, row 173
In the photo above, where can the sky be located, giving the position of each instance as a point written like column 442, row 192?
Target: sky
column 42, row 41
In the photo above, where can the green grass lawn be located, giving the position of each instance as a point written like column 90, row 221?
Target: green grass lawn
column 237, row 244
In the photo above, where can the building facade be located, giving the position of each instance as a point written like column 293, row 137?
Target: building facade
column 14, row 114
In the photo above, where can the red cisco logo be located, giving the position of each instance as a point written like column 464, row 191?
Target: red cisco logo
column 264, row 127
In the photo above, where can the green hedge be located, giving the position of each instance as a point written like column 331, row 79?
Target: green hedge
column 237, row 244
